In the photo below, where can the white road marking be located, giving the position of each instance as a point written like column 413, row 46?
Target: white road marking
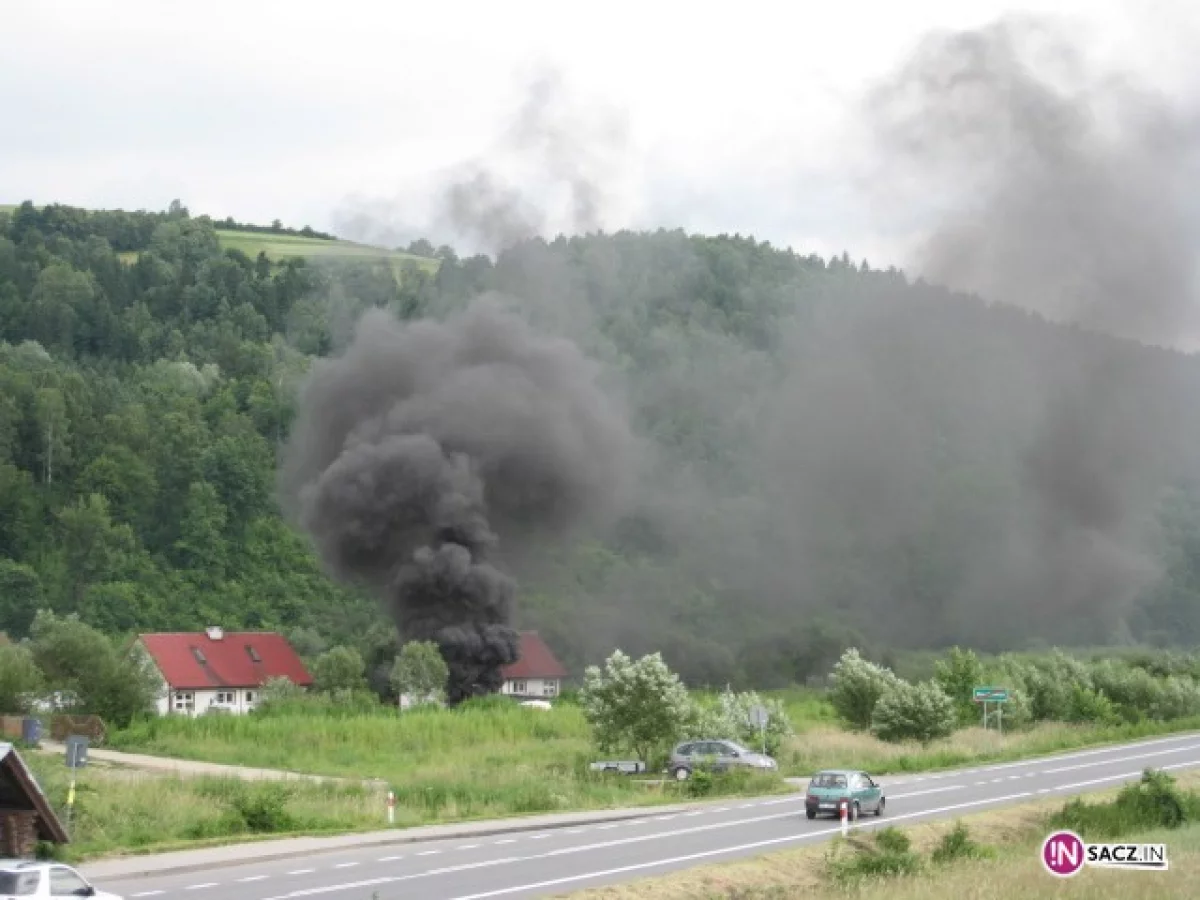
column 345, row 865
column 507, row 841
column 197, row 887
column 302, row 871
column 539, row 837
column 613, row 825
column 389, row 858
column 741, row 847
column 252, row 878
column 428, row 852
column 467, row 847
column 1117, row 760
column 147, row 894
column 937, row 790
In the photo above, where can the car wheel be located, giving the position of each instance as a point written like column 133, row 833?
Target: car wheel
column 682, row 774
column 811, row 813
column 879, row 808
column 855, row 812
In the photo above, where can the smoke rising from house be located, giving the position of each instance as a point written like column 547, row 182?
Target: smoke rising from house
column 426, row 449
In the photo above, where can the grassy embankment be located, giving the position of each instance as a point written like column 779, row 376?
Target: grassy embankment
column 1010, row 866
column 490, row 761
column 494, row 761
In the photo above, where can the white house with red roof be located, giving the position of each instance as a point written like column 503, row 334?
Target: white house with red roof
column 537, row 674
column 215, row 669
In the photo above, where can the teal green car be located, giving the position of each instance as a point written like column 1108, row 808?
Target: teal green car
column 829, row 789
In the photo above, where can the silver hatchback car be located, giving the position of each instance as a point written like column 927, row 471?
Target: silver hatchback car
column 719, row 755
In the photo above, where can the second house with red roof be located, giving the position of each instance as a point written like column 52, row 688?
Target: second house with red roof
column 219, row 670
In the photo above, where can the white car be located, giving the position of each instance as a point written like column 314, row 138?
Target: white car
column 29, row 878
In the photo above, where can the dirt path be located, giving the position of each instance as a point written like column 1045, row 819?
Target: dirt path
column 168, row 765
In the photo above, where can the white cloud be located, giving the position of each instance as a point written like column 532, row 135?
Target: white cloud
column 259, row 110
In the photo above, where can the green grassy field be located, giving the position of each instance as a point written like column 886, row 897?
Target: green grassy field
column 121, row 810
column 279, row 247
column 499, row 759
column 445, row 765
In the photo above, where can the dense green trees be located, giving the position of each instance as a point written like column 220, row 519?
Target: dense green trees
column 836, row 454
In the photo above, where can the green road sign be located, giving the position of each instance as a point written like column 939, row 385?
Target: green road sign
column 990, row 695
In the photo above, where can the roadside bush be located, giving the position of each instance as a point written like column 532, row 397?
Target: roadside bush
column 1153, row 802
column 957, row 844
column 263, row 808
column 259, row 807
column 920, row 712
column 1089, row 705
column 888, row 854
column 277, row 690
column 641, row 705
column 958, row 675
column 857, row 685
column 729, row 718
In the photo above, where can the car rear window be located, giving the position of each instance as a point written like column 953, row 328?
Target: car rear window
column 19, row 884
column 826, row 780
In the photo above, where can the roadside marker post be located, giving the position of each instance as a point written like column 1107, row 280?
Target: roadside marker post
column 76, row 758
column 759, row 718
column 845, row 819
column 391, row 807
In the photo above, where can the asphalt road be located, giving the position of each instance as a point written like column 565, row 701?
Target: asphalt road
column 556, row 861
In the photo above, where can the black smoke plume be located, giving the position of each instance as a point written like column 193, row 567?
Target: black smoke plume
column 424, row 444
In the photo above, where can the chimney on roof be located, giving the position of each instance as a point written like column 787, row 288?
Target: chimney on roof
column 215, row 632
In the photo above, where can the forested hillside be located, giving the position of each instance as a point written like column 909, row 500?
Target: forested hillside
column 835, row 453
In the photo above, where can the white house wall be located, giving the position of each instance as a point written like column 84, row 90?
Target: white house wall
column 237, row 701
column 531, row 687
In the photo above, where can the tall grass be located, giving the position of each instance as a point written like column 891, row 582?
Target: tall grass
column 124, row 810
column 485, row 759
column 823, row 747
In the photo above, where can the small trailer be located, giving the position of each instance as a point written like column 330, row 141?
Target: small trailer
column 624, row 766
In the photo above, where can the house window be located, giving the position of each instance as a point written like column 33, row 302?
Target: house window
column 199, row 654
column 550, row 688
column 249, row 696
column 253, row 654
column 185, row 701
column 225, row 697
column 519, row 687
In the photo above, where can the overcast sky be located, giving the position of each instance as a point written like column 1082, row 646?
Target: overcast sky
column 735, row 116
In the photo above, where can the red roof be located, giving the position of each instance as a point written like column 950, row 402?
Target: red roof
column 536, row 660
column 236, row 660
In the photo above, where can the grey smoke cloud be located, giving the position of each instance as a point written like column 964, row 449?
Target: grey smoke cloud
column 428, row 448
column 1063, row 189
column 568, row 156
